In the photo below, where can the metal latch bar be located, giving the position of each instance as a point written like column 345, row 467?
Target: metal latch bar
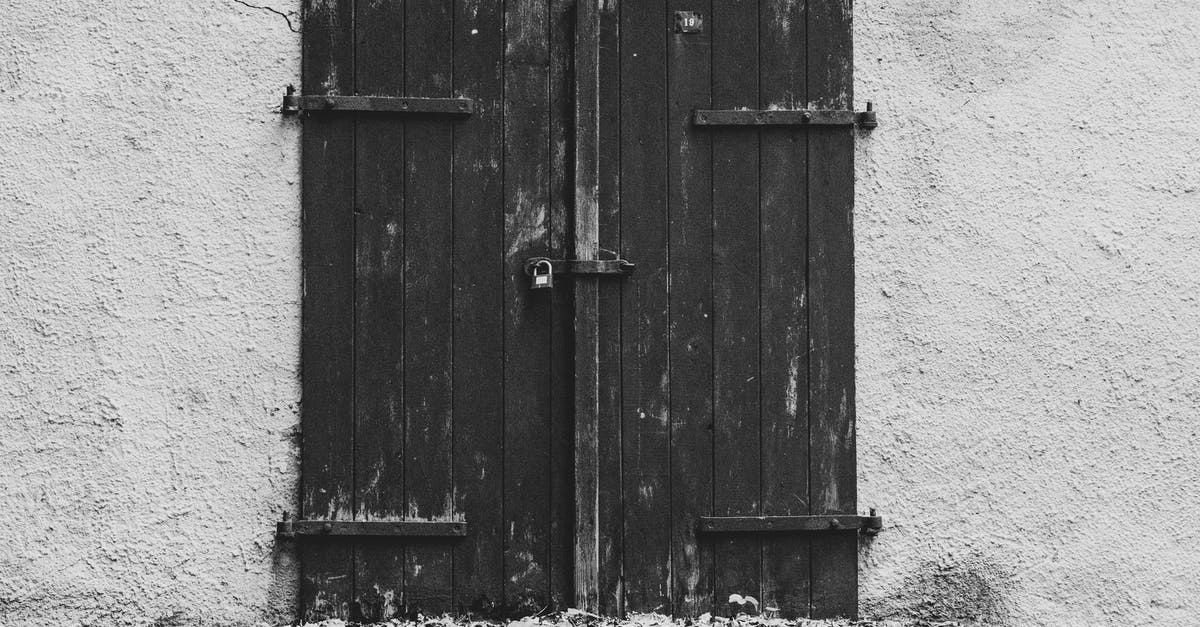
column 295, row 103
column 759, row 524
column 785, row 117
column 406, row 528
column 582, row 266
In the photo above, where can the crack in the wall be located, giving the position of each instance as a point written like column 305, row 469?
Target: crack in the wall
column 287, row 16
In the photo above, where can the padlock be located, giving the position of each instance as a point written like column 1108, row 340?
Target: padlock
column 543, row 275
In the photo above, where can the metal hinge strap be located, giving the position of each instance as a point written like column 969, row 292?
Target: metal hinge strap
column 759, row 524
column 407, row 528
column 785, row 117
column 294, row 103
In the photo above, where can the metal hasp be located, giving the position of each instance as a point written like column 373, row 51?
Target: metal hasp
column 869, row 525
column 582, row 266
column 292, row 529
column 786, row 117
column 294, row 103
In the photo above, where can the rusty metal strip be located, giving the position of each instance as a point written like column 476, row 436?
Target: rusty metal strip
column 790, row 117
column 293, row 104
column 759, row 524
column 358, row 528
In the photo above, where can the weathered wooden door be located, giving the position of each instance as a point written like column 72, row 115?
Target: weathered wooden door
column 439, row 391
column 436, row 386
column 730, row 385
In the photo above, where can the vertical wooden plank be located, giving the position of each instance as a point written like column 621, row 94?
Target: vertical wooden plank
column 562, row 381
column 327, row 331
column 428, row 304
column 479, row 278
column 784, row 314
column 735, row 294
column 831, row 311
column 644, row 317
column 527, row 313
column 611, row 514
column 587, row 306
column 689, row 207
column 379, row 310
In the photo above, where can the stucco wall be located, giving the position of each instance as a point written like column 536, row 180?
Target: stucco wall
column 1027, row 284
column 149, row 314
column 1028, row 260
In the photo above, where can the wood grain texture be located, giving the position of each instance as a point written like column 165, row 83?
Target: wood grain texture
column 562, row 380
column 645, row 411
column 527, row 316
column 736, row 300
column 831, row 307
column 783, row 316
column 478, row 323
column 690, row 331
column 609, row 423
column 587, row 306
column 327, row 330
column 428, row 303
column 379, row 317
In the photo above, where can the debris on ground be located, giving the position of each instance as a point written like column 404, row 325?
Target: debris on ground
column 580, row 618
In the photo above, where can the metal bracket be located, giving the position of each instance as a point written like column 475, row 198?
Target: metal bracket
column 294, row 103
column 291, row 529
column 869, row 525
column 582, row 266
column 786, row 117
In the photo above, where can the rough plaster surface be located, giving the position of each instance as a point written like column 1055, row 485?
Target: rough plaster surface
column 1029, row 332
column 1028, row 263
column 149, row 311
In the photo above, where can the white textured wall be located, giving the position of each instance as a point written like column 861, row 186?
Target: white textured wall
column 149, row 311
column 1029, row 332
column 1028, row 255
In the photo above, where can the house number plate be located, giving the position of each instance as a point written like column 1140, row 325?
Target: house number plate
column 688, row 22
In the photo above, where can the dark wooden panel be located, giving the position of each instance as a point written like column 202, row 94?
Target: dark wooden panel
column 379, row 310
column 831, row 301
column 736, row 299
column 527, row 323
column 428, row 303
column 562, row 492
column 784, row 313
column 479, row 278
column 327, row 335
column 644, row 350
column 587, row 308
column 690, row 335
column 611, row 517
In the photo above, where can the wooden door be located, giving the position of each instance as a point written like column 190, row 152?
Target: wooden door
column 729, row 389
column 438, row 423
column 436, row 386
